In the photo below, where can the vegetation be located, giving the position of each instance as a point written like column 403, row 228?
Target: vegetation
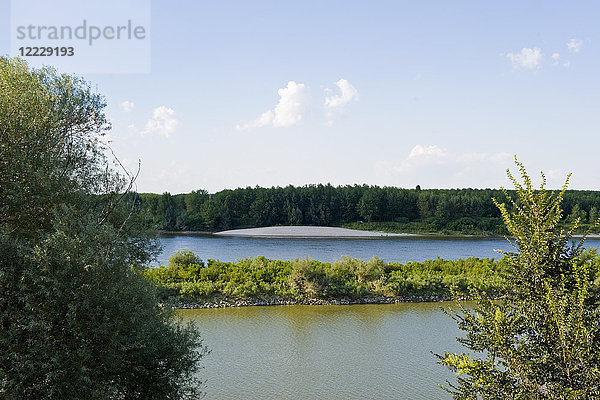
column 187, row 279
column 542, row 341
column 76, row 319
column 462, row 211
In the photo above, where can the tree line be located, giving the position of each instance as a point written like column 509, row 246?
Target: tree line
column 361, row 206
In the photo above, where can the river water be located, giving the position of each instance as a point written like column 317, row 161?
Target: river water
column 328, row 352
column 390, row 249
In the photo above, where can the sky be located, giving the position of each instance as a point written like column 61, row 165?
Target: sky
column 392, row 93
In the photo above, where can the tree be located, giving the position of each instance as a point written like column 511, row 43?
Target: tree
column 542, row 339
column 184, row 258
column 167, row 211
column 369, row 206
column 77, row 319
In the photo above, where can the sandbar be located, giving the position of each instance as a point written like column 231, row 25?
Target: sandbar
column 306, row 232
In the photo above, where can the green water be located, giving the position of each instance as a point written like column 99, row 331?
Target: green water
column 326, row 352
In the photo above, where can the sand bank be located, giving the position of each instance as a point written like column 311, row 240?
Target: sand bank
column 306, row 232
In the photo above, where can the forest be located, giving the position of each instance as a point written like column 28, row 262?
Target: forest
column 390, row 209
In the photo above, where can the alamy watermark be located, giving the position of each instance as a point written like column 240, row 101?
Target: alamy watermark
column 112, row 36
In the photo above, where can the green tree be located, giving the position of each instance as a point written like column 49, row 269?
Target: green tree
column 542, row 339
column 167, row 211
column 577, row 214
column 594, row 215
column 77, row 319
column 184, row 258
column 369, row 206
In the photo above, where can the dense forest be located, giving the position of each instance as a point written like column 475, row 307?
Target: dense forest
column 470, row 211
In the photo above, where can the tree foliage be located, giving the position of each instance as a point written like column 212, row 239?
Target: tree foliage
column 76, row 318
column 542, row 340
column 469, row 211
column 186, row 278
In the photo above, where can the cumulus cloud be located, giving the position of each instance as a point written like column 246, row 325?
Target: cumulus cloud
column 433, row 166
column 527, row 58
column 334, row 104
column 424, row 151
column 348, row 93
column 163, row 122
column 555, row 58
column 293, row 101
column 574, row 45
column 127, row 106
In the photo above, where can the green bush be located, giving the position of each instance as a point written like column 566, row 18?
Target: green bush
column 256, row 278
column 542, row 341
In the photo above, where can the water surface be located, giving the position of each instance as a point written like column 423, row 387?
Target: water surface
column 326, row 352
column 389, row 249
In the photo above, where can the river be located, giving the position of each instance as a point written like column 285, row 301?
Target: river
column 326, row 352
column 389, row 249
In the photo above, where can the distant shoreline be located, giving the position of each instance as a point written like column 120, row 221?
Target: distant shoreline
column 322, row 232
column 362, row 235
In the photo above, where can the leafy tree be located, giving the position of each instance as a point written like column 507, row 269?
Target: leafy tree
column 542, row 339
column 195, row 199
column 577, row 214
column 369, row 205
column 167, row 211
column 77, row 319
column 184, row 258
column 594, row 215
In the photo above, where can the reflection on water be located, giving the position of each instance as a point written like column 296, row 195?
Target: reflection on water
column 326, row 352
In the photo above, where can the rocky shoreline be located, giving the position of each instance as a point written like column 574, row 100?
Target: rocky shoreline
column 225, row 303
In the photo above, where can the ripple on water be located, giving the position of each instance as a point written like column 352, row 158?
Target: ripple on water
column 325, row 352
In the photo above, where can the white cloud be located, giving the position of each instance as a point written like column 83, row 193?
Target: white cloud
column 293, row 101
column 348, row 93
column 432, row 166
column 556, row 59
column 527, row 58
column 334, row 104
column 127, row 106
column 420, row 151
column 574, row 45
column 163, row 122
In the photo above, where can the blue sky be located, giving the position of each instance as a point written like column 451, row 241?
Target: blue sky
column 440, row 94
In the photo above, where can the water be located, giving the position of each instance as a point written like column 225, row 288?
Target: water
column 326, row 352
column 389, row 249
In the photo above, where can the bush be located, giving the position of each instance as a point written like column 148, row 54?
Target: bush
column 542, row 341
column 258, row 278
column 78, row 321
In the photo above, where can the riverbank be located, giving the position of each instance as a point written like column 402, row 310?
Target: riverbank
column 322, row 232
column 225, row 303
